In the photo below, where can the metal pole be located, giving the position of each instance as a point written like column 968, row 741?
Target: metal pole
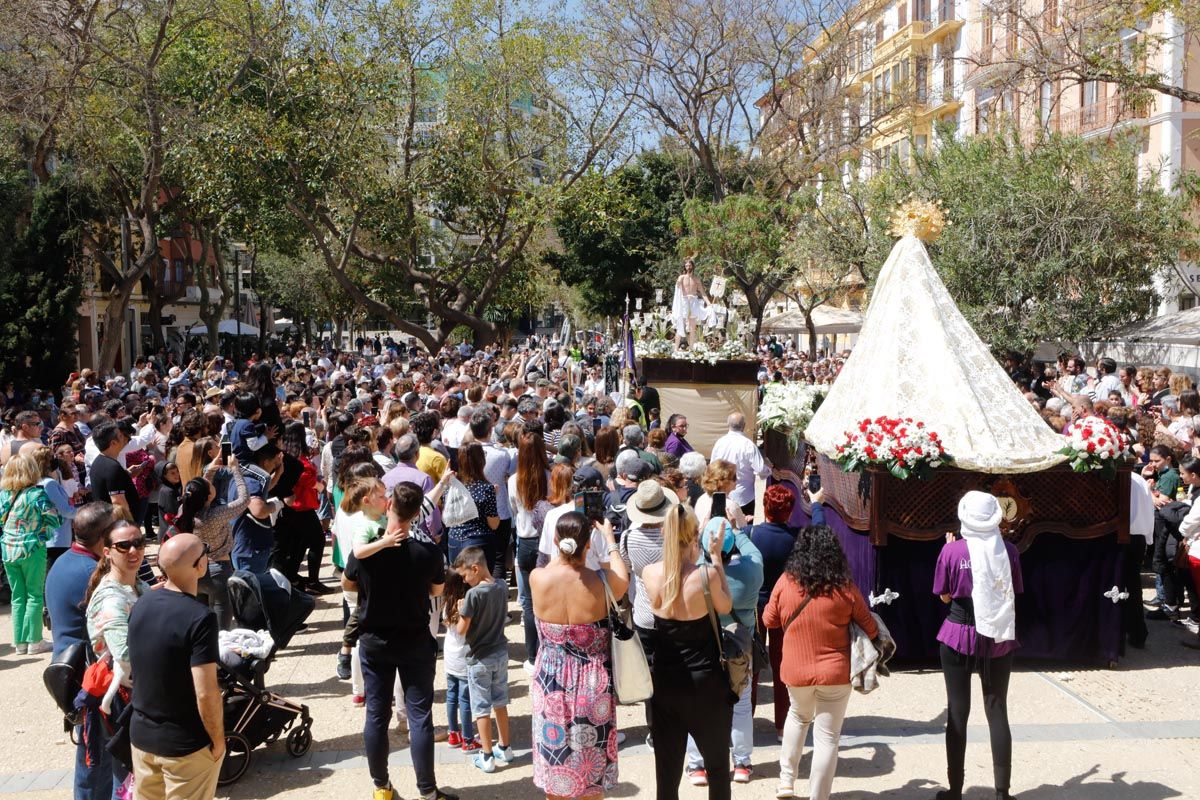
column 237, row 309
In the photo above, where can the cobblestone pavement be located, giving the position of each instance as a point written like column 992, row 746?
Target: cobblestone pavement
column 1128, row 733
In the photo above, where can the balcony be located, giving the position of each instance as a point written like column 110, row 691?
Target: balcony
column 988, row 64
column 1100, row 116
column 900, row 40
column 943, row 26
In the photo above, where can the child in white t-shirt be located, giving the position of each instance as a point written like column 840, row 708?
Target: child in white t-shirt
column 458, row 694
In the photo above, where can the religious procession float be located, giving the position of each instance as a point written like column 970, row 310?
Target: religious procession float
column 923, row 413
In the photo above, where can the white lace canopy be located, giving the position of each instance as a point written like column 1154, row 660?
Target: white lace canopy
column 918, row 357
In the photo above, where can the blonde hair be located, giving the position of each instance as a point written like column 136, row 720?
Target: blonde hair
column 44, row 458
column 620, row 417
column 717, row 474
column 680, row 529
column 398, row 424
column 357, row 492
column 20, row 472
column 1178, row 383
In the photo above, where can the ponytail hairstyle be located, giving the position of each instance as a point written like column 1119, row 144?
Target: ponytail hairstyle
column 571, row 535
column 191, row 503
column 104, row 565
column 679, row 531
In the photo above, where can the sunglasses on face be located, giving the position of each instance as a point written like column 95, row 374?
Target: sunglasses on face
column 203, row 553
column 130, row 544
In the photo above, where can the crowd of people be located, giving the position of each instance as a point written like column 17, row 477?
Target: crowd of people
column 434, row 485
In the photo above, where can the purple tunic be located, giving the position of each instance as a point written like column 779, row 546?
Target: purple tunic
column 952, row 576
column 676, row 446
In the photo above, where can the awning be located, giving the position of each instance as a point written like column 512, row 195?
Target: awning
column 227, row 326
column 826, row 320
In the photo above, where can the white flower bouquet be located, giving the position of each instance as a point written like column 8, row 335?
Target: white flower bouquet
column 1094, row 443
column 789, row 407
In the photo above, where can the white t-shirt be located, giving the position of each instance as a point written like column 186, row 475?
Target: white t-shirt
column 597, row 554
column 455, row 653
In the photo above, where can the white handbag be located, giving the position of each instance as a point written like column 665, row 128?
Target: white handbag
column 631, row 672
column 459, row 507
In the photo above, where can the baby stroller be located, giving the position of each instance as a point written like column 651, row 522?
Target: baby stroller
column 254, row 715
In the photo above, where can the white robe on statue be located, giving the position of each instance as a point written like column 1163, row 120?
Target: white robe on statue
column 685, row 307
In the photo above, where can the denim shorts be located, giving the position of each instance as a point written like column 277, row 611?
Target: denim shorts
column 488, row 681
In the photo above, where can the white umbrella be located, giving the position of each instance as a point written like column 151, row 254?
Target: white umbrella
column 228, row 326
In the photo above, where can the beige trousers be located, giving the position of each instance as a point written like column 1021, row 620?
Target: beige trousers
column 190, row 777
column 824, row 708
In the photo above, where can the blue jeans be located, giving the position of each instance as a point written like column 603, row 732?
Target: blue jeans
column 413, row 660
column 104, row 777
column 215, row 587
column 486, row 543
column 527, row 552
column 257, row 561
column 458, row 706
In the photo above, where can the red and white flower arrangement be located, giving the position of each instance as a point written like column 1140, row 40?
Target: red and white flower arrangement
column 904, row 447
column 1095, row 443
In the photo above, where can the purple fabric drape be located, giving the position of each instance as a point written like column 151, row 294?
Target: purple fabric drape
column 1063, row 614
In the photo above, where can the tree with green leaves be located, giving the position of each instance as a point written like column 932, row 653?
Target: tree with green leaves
column 1058, row 240
column 40, row 278
column 742, row 236
column 834, row 245
column 616, row 227
column 103, row 96
column 422, row 148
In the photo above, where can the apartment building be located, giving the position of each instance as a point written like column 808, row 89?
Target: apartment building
column 904, row 66
column 1167, row 130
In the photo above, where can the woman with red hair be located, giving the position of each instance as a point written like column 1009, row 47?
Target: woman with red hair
column 775, row 539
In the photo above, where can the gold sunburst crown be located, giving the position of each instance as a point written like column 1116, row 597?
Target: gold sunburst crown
column 924, row 219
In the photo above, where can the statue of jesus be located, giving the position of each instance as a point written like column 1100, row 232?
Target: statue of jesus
column 689, row 306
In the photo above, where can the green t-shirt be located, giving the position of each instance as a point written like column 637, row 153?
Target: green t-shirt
column 1167, row 482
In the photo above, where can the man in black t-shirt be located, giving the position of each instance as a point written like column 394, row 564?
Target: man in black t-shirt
column 394, row 586
column 111, row 482
column 178, row 728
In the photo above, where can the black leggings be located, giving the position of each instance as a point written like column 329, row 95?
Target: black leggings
column 298, row 532
column 957, row 668
column 695, row 703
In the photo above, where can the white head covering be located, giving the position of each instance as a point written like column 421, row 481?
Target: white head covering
column 991, row 573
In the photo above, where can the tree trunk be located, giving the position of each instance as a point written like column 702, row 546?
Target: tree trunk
column 114, row 325
column 118, row 302
column 210, row 313
column 812, row 334
column 757, row 309
column 156, row 308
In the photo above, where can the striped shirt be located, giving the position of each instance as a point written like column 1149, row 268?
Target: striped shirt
column 641, row 547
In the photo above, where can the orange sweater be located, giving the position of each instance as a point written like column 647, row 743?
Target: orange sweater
column 816, row 648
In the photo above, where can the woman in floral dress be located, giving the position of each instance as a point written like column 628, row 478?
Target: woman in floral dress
column 574, row 711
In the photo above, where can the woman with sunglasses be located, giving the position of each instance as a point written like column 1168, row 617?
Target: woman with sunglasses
column 113, row 590
column 111, row 593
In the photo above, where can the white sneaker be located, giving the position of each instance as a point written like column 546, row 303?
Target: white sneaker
column 529, row 668
column 784, row 791
column 503, row 755
column 21, row 649
column 37, row 648
column 1188, row 623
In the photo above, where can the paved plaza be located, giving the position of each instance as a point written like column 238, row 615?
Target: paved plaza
column 1128, row 733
